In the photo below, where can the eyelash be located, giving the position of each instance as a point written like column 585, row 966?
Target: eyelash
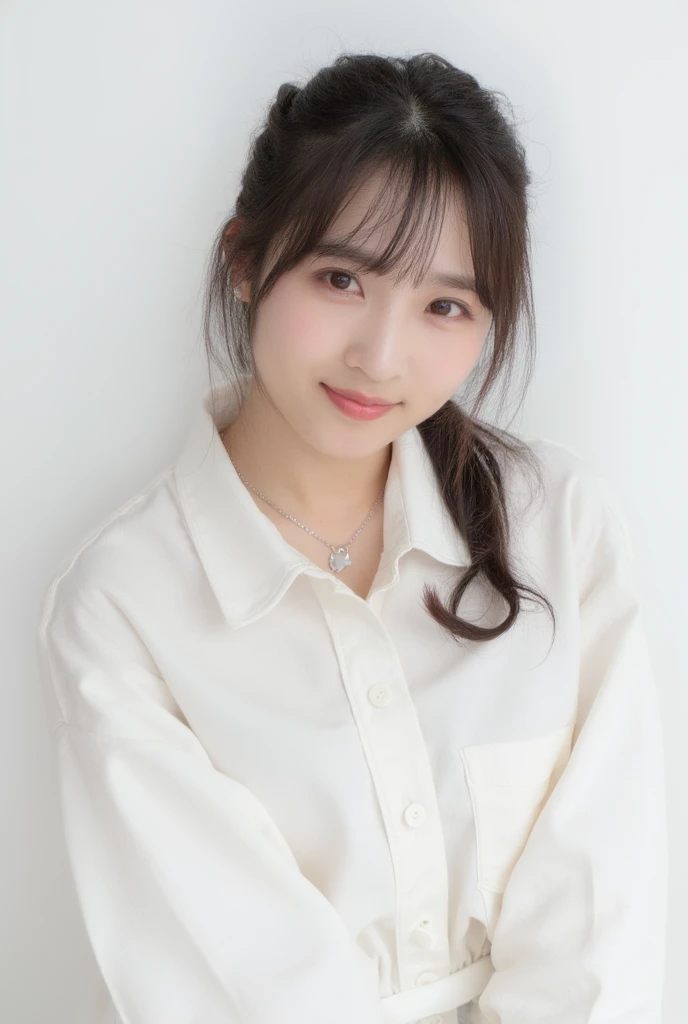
column 467, row 315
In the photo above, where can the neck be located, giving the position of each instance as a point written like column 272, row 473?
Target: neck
column 310, row 486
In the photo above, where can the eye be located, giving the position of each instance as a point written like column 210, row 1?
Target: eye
column 465, row 313
column 336, row 274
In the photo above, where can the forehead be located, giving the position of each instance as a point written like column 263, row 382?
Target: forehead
column 377, row 205
column 380, row 229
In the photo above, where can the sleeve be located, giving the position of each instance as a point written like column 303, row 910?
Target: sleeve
column 581, row 934
column 194, row 904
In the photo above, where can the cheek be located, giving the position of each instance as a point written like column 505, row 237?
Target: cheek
column 450, row 364
column 292, row 329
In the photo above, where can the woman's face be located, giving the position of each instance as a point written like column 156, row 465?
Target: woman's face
column 326, row 324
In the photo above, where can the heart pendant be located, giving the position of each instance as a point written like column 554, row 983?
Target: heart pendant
column 339, row 560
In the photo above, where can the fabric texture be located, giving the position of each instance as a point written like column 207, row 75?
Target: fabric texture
column 284, row 802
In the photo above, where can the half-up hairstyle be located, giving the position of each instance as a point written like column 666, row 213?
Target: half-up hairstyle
column 431, row 128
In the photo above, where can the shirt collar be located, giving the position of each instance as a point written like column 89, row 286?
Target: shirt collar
column 248, row 562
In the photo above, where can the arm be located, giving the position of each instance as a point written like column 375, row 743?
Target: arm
column 580, row 938
column 193, row 902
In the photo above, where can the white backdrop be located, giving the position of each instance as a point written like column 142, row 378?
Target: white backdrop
column 124, row 129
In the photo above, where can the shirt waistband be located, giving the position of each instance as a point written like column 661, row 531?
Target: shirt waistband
column 439, row 996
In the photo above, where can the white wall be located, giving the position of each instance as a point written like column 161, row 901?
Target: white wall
column 124, row 128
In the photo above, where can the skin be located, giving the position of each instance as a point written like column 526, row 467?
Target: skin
column 359, row 331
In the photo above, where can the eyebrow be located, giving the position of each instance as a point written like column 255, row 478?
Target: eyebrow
column 363, row 258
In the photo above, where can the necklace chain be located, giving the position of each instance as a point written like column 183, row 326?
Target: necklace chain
column 339, row 559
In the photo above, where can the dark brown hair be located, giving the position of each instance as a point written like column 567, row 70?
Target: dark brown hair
column 432, row 128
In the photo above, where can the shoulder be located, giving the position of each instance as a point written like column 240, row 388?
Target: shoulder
column 563, row 466
column 128, row 551
column 566, row 494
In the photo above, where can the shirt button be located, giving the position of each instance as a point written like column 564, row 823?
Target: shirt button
column 414, row 815
column 426, row 978
column 423, row 937
column 379, row 695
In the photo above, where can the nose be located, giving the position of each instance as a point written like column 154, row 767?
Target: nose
column 378, row 349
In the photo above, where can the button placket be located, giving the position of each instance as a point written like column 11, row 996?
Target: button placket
column 397, row 757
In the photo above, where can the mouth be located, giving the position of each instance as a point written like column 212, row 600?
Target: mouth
column 362, row 407
column 360, row 398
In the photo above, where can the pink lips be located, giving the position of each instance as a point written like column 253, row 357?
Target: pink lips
column 357, row 410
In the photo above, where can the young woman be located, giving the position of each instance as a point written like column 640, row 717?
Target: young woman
column 354, row 716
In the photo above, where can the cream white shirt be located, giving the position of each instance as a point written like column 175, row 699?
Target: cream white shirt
column 284, row 804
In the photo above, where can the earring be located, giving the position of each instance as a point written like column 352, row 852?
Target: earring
column 237, row 291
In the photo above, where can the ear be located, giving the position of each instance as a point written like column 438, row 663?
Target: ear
column 236, row 275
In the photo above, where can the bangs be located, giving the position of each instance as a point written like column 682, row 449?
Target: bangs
column 419, row 201
column 416, row 196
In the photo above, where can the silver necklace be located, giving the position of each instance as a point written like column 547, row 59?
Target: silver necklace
column 340, row 558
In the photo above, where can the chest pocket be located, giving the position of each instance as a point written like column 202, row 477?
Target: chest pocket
column 509, row 784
